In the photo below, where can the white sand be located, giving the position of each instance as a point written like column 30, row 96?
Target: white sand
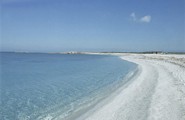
column 157, row 93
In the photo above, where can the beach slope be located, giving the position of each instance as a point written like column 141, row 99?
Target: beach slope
column 156, row 93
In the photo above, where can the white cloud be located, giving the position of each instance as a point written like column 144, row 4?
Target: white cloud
column 146, row 19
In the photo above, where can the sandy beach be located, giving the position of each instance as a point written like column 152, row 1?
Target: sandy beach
column 157, row 92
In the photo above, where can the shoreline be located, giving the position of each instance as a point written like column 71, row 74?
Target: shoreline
column 158, row 92
column 111, row 95
column 113, row 90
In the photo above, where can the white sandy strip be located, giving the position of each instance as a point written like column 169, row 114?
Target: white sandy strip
column 158, row 93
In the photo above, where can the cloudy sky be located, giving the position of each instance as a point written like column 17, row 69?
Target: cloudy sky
column 92, row 25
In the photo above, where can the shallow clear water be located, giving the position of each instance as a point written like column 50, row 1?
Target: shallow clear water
column 40, row 86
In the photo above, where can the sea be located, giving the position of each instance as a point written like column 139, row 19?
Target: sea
column 45, row 86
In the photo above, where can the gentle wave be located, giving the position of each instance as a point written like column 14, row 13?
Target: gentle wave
column 55, row 86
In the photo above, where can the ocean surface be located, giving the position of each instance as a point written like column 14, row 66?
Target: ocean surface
column 37, row 86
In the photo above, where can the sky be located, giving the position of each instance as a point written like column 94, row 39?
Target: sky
column 92, row 25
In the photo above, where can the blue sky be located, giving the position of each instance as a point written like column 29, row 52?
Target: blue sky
column 92, row 25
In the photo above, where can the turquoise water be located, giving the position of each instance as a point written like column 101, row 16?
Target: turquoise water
column 55, row 86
